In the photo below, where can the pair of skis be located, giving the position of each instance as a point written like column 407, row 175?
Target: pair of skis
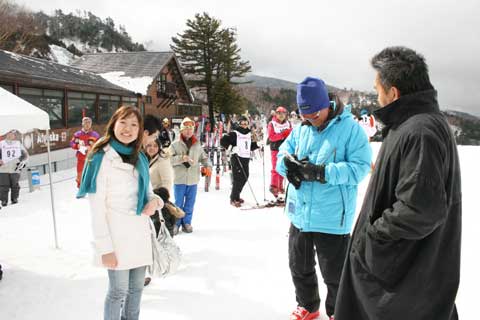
column 269, row 204
column 212, row 145
column 219, row 151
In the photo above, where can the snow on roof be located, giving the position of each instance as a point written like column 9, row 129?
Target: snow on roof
column 25, row 66
column 137, row 85
column 133, row 64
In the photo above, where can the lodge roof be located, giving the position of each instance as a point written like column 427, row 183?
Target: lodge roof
column 133, row 64
column 43, row 72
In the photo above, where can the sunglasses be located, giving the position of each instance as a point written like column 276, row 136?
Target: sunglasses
column 333, row 106
column 244, row 124
column 189, row 124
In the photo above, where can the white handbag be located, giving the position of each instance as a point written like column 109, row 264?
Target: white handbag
column 166, row 253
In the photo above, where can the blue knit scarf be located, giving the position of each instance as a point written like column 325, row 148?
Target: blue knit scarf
column 90, row 171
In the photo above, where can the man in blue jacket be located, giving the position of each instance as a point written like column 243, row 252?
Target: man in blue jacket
column 324, row 160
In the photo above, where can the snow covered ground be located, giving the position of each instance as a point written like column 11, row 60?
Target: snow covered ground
column 235, row 262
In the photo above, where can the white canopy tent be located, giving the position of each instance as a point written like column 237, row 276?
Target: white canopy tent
column 18, row 114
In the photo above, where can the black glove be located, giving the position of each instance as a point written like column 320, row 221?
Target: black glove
column 294, row 178
column 20, row 166
column 293, row 170
column 312, row 172
column 292, row 163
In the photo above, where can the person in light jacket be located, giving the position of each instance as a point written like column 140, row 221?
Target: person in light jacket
column 324, row 159
column 161, row 171
column 13, row 158
column 117, row 182
column 187, row 155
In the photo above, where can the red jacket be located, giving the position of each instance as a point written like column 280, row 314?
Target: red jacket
column 278, row 132
column 83, row 139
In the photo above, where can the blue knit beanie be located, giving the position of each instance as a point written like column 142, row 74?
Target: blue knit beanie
column 312, row 95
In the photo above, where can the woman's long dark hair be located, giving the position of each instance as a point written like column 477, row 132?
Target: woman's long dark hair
column 121, row 113
column 162, row 153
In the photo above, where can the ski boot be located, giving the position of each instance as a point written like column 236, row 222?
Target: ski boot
column 303, row 314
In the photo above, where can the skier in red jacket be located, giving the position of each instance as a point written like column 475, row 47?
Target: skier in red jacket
column 278, row 130
column 82, row 141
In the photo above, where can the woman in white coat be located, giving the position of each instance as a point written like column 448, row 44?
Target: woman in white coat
column 121, row 201
column 161, row 171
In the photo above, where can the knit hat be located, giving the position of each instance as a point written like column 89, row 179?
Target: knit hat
column 187, row 123
column 312, row 96
column 242, row 118
column 281, row 109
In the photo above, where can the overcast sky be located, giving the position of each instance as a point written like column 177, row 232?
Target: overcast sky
column 333, row 40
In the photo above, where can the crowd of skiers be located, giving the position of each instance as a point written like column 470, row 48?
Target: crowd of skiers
column 393, row 264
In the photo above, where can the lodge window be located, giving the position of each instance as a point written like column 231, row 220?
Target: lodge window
column 80, row 105
column 129, row 101
column 50, row 101
column 188, row 110
column 106, row 107
column 161, row 83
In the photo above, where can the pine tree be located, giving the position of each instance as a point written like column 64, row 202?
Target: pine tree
column 210, row 54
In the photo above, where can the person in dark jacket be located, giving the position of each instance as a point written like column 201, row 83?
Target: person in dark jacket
column 167, row 136
column 403, row 260
column 242, row 144
column 168, row 216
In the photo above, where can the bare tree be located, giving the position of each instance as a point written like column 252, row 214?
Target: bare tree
column 19, row 27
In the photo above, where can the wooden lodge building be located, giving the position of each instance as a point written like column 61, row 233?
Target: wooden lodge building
column 67, row 94
column 156, row 77
column 151, row 81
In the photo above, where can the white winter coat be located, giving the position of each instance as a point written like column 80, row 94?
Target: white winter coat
column 161, row 172
column 116, row 226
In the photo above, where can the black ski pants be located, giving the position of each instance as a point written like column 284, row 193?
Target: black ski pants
column 240, row 173
column 331, row 250
column 9, row 181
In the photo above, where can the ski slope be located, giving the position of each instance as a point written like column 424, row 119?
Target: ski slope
column 235, row 263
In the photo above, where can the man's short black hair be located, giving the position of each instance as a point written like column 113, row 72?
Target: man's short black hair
column 152, row 124
column 402, row 68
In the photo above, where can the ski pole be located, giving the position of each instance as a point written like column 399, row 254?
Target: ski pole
column 263, row 165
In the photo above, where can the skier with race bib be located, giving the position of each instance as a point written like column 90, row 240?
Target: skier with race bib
column 13, row 158
column 278, row 130
column 242, row 145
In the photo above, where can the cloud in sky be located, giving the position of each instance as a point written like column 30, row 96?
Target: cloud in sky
column 333, row 40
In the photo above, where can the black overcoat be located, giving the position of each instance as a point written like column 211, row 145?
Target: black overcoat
column 403, row 261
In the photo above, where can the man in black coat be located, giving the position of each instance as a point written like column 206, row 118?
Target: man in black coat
column 404, row 256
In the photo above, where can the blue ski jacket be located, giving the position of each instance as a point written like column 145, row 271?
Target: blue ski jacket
column 344, row 149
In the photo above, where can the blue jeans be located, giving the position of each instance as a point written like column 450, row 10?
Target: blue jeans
column 185, row 196
column 124, row 294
